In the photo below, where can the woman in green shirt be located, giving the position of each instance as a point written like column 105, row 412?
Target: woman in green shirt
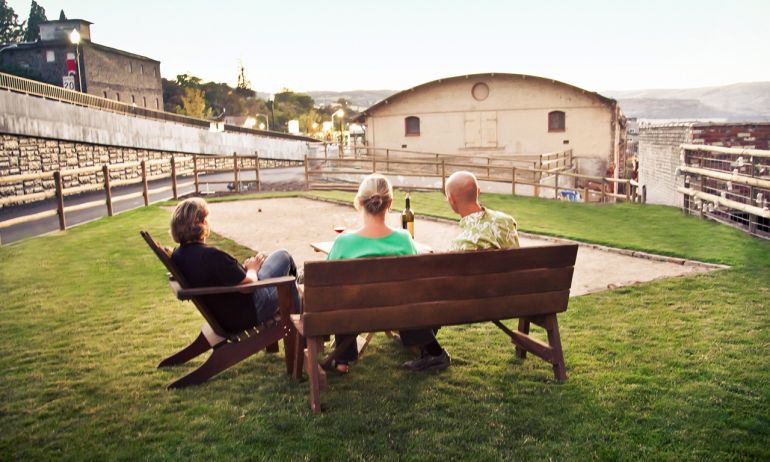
column 376, row 239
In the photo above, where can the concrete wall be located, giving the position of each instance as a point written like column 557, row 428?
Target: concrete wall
column 659, row 156
column 37, row 117
column 514, row 120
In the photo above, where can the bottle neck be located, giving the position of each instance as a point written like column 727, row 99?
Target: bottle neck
column 408, row 203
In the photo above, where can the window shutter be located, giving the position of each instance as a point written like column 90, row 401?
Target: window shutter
column 472, row 130
column 489, row 129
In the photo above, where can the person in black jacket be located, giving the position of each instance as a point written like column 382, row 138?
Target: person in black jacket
column 205, row 266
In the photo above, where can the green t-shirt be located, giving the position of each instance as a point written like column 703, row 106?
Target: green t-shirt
column 399, row 242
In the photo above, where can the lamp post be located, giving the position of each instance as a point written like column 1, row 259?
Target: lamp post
column 339, row 115
column 271, row 103
column 75, row 39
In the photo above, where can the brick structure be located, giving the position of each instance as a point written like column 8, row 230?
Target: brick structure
column 659, row 151
column 106, row 72
column 748, row 135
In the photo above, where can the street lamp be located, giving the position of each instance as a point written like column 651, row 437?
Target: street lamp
column 75, row 39
column 339, row 115
column 271, row 103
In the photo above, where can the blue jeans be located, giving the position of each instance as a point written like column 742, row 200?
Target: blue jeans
column 278, row 264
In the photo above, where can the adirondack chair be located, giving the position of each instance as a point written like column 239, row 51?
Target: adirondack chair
column 229, row 348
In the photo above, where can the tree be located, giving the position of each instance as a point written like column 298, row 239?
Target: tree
column 36, row 16
column 10, row 29
column 307, row 120
column 194, row 104
column 172, row 95
column 188, row 81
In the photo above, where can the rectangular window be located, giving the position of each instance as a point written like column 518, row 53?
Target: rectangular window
column 145, row 100
column 157, row 104
column 133, row 99
column 117, row 96
column 105, row 93
column 50, row 56
column 556, row 121
column 130, row 67
column 412, row 126
column 141, row 69
column 154, row 72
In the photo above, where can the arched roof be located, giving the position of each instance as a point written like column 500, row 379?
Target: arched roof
column 395, row 97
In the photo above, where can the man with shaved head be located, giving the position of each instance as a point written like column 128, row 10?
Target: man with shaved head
column 482, row 228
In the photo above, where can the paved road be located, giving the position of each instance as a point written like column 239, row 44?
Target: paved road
column 271, row 179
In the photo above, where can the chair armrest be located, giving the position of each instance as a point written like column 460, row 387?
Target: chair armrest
column 186, row 294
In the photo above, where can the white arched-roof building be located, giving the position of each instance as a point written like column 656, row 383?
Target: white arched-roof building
column 509, row 114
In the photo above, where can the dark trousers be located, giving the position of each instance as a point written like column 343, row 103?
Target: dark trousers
column 418, row 337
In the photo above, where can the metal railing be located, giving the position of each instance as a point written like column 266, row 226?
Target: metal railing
column 43, row 90
column 728, row 185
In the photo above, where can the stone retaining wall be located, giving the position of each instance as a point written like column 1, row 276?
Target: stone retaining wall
column 24, row 154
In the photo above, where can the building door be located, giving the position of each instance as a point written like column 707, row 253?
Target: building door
column 481, row 129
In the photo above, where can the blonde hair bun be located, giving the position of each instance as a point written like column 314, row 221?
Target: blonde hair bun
column 375, row 194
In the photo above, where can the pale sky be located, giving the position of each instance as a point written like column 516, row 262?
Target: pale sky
column 396, row 44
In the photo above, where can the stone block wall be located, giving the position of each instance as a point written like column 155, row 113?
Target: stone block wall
column 23, row 154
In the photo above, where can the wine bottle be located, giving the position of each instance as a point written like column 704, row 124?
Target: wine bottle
column 407, row 217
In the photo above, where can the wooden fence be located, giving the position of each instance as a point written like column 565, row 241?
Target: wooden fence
column 325, row 172
column 183, row 171
column 320, row 173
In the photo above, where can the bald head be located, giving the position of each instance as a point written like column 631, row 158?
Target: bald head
column 462, row 192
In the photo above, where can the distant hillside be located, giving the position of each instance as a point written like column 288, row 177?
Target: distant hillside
column 740, row 101
column 360, row 98
column 737, row 102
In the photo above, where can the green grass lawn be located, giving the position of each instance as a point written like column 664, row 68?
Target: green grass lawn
column 669, row 370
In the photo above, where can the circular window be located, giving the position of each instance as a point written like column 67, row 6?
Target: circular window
column 480, row 91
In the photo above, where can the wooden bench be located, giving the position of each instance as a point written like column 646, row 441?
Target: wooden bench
column 424, row 291
column 229, row 347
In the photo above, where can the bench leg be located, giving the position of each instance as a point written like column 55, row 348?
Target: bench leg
column 298, row 352
column 557, row 355
column 199, row 346
column 524, row 329
column 313, row 373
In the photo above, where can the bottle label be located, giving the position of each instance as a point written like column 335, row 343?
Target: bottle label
column 410, row 227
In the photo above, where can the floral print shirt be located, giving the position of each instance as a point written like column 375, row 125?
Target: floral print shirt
column 487, row 229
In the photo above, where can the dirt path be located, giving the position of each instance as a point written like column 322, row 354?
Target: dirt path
column 293, row 223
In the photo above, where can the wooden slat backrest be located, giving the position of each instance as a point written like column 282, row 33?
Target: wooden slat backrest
column 359, row 271
column 165, row 257
column 441, row 289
